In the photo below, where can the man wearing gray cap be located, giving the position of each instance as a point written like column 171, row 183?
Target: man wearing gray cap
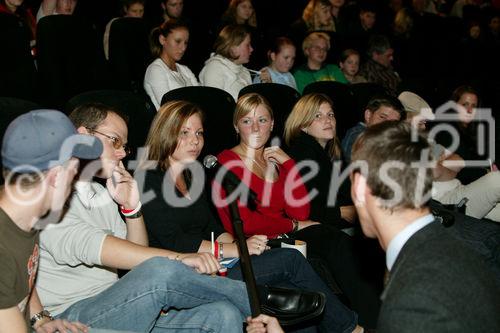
column 40, row 152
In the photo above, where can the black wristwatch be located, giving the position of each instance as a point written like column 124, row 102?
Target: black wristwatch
column 40, row 315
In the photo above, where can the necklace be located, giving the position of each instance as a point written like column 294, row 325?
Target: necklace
column 266, row 169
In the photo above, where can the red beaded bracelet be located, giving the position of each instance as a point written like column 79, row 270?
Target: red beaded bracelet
column 131, row 212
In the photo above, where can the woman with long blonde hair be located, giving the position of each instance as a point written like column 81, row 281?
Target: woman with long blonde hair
column 310, row 134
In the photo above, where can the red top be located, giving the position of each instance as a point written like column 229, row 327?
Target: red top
column 277, row 202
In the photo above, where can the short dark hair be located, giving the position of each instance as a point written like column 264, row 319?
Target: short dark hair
column 388, row 101
column 128, row 3
column 26, row 180
column 347, row 53
column 464, row 89
column 390, row 142
column 91, row 115
column 378, row 44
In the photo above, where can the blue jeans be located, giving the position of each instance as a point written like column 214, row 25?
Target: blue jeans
column 200, row 303
column 288, row 268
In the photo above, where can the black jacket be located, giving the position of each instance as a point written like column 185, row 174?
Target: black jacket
column 305, row 147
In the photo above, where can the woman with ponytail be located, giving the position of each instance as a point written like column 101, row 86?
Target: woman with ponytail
column 168, row 44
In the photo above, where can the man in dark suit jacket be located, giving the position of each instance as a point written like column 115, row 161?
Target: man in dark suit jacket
column 437, row 283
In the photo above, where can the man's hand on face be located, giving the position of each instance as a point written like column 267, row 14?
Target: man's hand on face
column 123, row 188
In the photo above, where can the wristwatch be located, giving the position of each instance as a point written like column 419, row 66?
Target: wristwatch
column 40, row 315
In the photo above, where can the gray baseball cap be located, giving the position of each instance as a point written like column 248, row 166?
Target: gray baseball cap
column 41, row 139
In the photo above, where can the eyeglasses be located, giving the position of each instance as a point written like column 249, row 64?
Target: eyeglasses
column 117, row 142
column 319, row 49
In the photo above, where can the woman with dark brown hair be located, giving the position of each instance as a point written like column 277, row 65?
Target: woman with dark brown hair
column 168, row 44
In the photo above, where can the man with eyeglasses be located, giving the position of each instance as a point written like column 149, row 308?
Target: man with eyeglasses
column 315, row 47
column 80, row 256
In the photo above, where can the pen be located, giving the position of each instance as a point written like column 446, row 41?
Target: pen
column 213, row 248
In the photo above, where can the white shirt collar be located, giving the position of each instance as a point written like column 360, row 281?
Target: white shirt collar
column 402, row 237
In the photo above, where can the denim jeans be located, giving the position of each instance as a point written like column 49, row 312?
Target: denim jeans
column 288, row 268
column 200, row 303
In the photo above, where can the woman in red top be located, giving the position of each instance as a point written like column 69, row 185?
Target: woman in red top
column 282, row 198
column 282, row 204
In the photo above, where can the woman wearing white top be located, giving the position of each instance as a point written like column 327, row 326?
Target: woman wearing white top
column 168, row 43
column 224, row 69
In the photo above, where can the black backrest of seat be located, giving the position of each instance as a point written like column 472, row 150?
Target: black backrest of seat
column 281, row 97
column 139, row 110
column 363, row 93
column 70, row 58
column 343, row 102
column 129, row 53
column 218, row 107
column 10, row 109
column 18, row 74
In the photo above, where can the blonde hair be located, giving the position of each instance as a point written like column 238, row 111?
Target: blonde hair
column 403, row 22
column 303, row 115
column 247, row 103
column 310, row 13
column 164, row 132
column 314, row 36
column 230, row 13
column 229, row 37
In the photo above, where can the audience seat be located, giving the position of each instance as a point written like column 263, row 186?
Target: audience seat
column 70, row 59
column 18, row 76
column 10, row 109
column 129, row 53
column 139, row 110
column 362, row 93
column 218, row 107
column 343, row 102
column 282, row 99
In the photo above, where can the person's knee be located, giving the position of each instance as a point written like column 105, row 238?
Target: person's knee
column 227, row 315
column 160, row 267
column 288, row 257
column 288, row 254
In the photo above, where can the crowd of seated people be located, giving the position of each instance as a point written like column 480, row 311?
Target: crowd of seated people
column 168, row 219
column 392, row 39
